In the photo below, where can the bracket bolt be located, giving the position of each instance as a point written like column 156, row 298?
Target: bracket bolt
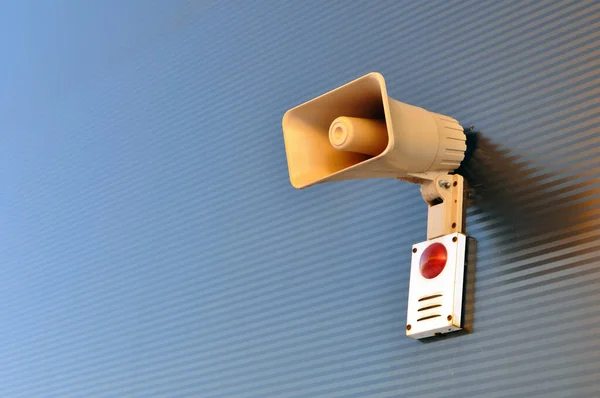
column 445, row 184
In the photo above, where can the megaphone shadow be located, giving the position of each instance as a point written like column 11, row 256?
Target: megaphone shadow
column 530, row 207
column 535, row 217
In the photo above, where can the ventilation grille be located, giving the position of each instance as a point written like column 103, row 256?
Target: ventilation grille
column 430, row 307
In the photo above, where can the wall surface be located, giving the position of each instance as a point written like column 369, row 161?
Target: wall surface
column 152, row 246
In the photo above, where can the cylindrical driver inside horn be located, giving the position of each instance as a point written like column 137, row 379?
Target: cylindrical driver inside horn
column 359, row 135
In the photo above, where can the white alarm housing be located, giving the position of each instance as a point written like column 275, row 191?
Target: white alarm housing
column 435, row 303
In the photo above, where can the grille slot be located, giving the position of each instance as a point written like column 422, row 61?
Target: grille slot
column 428, row 317
column 429, row 307
column 430, row 297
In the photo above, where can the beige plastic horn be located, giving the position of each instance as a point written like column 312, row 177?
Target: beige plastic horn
column 357, row 131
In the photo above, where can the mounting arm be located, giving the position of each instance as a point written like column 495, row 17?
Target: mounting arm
column 444, row 194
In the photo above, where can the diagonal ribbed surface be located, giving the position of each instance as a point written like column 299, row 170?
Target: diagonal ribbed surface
column 152, row 246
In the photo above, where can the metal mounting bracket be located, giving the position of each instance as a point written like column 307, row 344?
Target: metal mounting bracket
column 444, row 194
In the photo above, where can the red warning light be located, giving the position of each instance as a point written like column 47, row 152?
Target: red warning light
column 433, row 260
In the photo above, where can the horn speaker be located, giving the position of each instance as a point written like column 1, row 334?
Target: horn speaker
column 357, row 131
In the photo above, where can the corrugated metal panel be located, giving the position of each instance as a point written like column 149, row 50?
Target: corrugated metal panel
column 152, row 244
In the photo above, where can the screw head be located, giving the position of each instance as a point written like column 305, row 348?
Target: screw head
column 445, row 184
column 408, row 327
column 449, row 317
column 414, row 249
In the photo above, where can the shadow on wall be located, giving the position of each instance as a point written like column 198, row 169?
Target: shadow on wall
column 541, row 216
column 537, row 211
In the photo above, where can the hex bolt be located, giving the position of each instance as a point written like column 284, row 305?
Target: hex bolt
column 445, row 184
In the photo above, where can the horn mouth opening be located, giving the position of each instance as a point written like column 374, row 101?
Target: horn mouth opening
column 316, row 153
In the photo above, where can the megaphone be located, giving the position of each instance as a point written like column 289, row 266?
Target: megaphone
column 357, row 131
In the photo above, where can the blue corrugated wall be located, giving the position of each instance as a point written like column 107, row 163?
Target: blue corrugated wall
column 152, row 246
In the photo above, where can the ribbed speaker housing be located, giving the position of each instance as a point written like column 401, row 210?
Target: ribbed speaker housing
column 418, row 141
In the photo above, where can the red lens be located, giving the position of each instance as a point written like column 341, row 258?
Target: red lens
column 433, row 260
